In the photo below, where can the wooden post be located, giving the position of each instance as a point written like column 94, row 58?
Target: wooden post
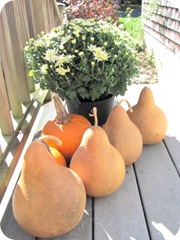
column 9, row 65
column 25, row 36
column 19, row 35
column 5, row 116
column 0, row 152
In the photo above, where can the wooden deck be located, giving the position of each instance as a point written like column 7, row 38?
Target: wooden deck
column 145, row 207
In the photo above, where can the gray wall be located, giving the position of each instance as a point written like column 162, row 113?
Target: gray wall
column 162, row 36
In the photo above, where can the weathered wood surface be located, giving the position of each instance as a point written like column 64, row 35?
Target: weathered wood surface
column 144, row 207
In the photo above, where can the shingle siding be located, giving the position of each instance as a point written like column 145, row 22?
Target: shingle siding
column 162, row 36
column 164, row 25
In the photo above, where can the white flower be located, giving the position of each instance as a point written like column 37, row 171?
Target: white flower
column 99, row 53
column 92, row 47
column 65, row 39
column 50, row 55
column 44, row 68
column 63, row 59
column 38, row 42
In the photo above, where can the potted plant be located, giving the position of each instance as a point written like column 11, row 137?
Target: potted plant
column 83, row 60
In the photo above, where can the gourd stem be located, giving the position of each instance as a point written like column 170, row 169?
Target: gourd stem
column 51, row 137
column 129, row 105
column 62, row 115
column 94, row 114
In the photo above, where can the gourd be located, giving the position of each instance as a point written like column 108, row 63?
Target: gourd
column 123, row 134
column 99, row 164
column 149, row 118
column 69, row 128
column 49, row 199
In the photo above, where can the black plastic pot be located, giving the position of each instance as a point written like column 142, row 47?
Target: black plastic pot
column 103, row 106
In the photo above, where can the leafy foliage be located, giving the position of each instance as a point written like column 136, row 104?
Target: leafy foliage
column 97, row 9
column 83, row 58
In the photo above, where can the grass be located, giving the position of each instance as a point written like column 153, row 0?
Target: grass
column 134, row 27
column 147, row 66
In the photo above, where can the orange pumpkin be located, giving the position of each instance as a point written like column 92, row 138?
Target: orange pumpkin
column 69, row 128
column 57, row 155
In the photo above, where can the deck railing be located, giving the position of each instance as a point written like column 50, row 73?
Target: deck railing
column 20, row 98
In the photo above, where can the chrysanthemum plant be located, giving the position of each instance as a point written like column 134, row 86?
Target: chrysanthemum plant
column 83, row 59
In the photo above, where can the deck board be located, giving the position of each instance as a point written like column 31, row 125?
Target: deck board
column 120, row 214
column 173, row 146
column 160, row 189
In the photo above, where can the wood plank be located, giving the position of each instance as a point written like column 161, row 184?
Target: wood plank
column 120, row 215
column 173, row 146
column 18, row 36
column 8, row 63
column 31, row 24
column 0, row 152
column 47, row 112
column 160, row 188
column 25, row 35
column 5, row 119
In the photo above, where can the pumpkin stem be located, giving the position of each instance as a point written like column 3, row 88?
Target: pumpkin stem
column 62, row 115
column 129, row 105
column 94, row 114
column 51, row 137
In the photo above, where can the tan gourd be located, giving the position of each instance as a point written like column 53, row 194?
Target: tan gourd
column 149, row 118
column 99, row 165
column 49, row 199
column 123, row 134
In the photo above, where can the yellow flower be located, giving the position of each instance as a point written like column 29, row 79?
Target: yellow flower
column 62, row 71
column 61, row 59
column 100, row 55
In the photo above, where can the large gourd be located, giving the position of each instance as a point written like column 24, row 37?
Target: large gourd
column 69, row 128
column 123, row 134
column 49, row 199
column 99, row 164
column 149, row 118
